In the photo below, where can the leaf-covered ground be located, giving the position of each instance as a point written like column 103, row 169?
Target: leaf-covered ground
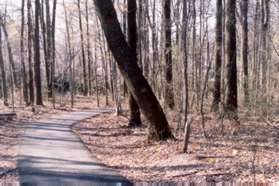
column 250, row 154
column 9, row 132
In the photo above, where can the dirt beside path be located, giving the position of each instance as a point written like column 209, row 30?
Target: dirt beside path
column 9, row 132
column 251, row 154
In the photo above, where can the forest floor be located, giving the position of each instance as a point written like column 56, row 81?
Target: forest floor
column 250, row 154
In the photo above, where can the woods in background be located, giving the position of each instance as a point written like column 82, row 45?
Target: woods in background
column 171, row 56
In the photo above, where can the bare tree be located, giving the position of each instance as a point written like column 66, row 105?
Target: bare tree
column 245, row 48
column 37, row 60
column 30, row 54
column 22, row 57
column 85, row 80
column 169, row 95
column 218, row 56
column 126, row 60
column 3, row 73
column 134, row 119
column 231, row 100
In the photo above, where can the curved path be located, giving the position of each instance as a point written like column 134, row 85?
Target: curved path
column 51, row 154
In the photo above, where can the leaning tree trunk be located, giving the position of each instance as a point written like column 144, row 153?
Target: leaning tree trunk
column 218, row 56
column 3, row 73
column 134, row 119
column 37, row 60
column 127, row 63
column 231, row 101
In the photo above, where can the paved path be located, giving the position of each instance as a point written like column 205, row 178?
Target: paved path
column 51, row 154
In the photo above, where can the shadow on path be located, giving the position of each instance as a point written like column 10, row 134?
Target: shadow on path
column 51, row 154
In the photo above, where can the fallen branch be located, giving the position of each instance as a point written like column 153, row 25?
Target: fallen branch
column 270, row 124
column 185, row 174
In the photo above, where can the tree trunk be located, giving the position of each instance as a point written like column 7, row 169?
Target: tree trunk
column 30, row 55
column 134, row 120
column 48, row 56
column 169, row 95
column 85, row 81
column 231, row 101
column 127, row 63
column 23, row 69
column 185, row 59
column 53, row 52
column 71, row 55
column 218, row 56
column 3, row 73
column 10, row 53
column 245, row 47
column 37, row 60
column 264, row 32
column 89, row 53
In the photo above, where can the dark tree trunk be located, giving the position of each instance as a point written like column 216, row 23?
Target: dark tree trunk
column 48, row 56
column 127, row 63
column 3, row 73
column 53, row 53
column 231, row 101
column 134, row 120
column 218, row 56
column 245, row 47
column 23, row 69
column 264, row 48
column 37, row 60
column 185, row 60
column 169, row 96
column 30, row 55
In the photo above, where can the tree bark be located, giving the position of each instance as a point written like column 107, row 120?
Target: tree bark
column 89, row 53
column 23, row 68
column 30, row 55
column 10, row 53
column 127, row 63
column 218, row 56
column 231, row 101
column 185, row 59
column 85, row 80
column 37, row 60
column 3, row 73
column 48, row 56
column 264, row 44
column 134, row 120
column 169, row 95
column 245, row 47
